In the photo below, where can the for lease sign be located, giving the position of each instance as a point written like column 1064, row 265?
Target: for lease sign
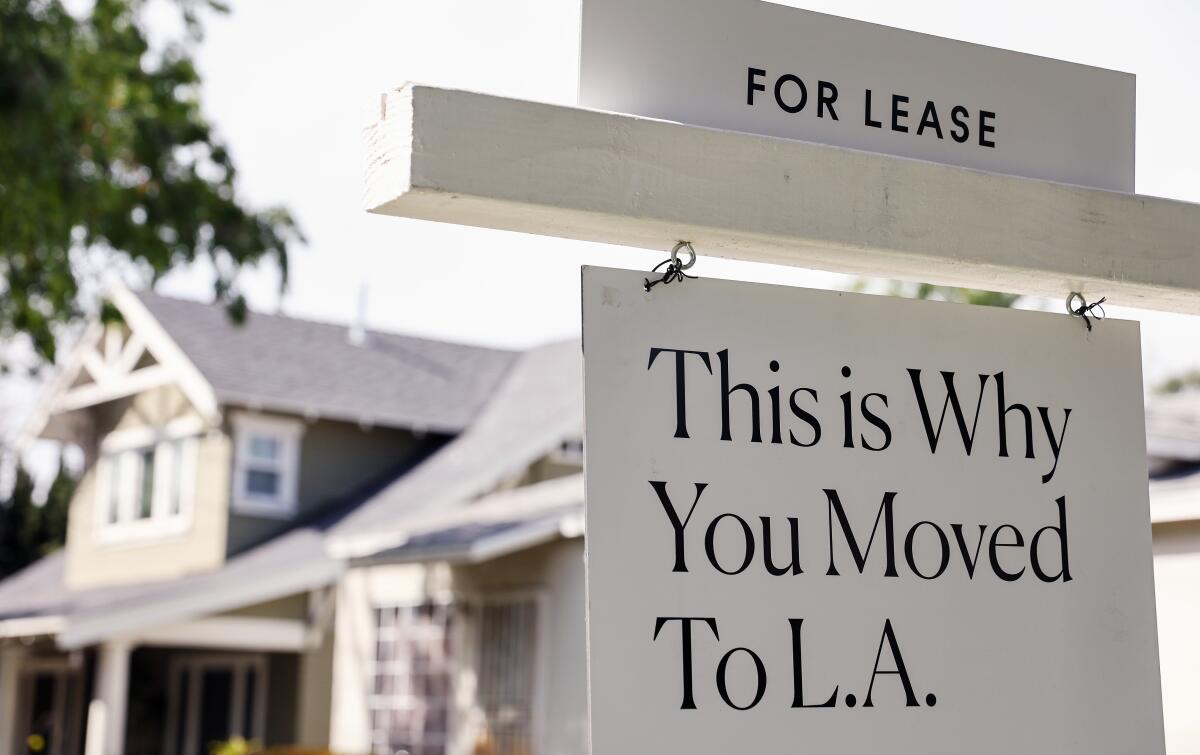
column 762, row 67
column 836, row 523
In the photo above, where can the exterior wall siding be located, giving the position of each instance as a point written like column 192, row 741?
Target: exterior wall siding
column 314, row 692
column 291, row 607
column 200, row 547
column 336, row 459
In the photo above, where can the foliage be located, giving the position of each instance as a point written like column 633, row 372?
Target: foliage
column 103, row 147
column 952, row 294
column 52, row 517
column 1189, row 380
column 29, row 531
column 18, row 526
column 235, row 746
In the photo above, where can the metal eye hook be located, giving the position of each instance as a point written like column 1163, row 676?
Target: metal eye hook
column 691, row 255
column 674, row 266
column 1084, row 309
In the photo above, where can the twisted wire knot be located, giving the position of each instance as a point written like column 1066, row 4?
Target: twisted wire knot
column 674, row 272
column 1084, row 309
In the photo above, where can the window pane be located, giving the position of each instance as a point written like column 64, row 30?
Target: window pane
column 216, row 692
column 411, row 680
column 264, row 448
column 175, row 505
column 145, row 502
column 181, row 712
column 114, row 489
column 248, row 729
column 42, row 722
column 260, row 482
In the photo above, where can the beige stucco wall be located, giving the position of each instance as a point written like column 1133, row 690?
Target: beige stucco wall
column 1177, row 591
column 201, row 547
column 315, row 694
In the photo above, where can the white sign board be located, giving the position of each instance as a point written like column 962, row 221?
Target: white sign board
column 837, row 523
column 764, row 68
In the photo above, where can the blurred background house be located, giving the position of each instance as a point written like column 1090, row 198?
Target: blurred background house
column 307, row 534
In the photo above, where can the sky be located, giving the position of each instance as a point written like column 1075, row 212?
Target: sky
column 288, row 86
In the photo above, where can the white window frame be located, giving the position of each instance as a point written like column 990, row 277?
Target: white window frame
column 239, row 666
column 287, row 433
column 117, row 450
column 379, row 702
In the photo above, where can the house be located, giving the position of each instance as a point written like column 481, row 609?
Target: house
column 303, row 534
column 307, row 534
column 1173, row 448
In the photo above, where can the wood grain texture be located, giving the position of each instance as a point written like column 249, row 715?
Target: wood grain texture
column 493, row 162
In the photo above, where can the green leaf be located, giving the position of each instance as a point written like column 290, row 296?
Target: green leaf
column 104, row 144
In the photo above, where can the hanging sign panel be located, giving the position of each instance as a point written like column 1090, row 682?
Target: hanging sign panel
column 838, row 523
column 765, row 68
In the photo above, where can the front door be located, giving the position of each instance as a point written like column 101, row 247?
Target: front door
column 49, row 708
column 212, row 699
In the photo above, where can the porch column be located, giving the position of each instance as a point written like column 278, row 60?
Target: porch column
column 106, row 712
column 10, row 674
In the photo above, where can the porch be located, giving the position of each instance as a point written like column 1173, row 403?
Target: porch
column 170, row 691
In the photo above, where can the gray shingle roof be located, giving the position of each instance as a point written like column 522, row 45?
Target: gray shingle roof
column 38, row 590
column 539, row 404
column 493, row 526
column 291, row 563
column 303, row 367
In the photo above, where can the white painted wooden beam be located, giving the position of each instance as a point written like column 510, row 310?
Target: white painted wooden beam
column 115, row 387
column 32, row 626
column 487, row 161
column 230, row 633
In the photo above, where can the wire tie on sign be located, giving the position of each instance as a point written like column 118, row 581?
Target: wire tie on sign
column 1084, row 309
column 674, row 266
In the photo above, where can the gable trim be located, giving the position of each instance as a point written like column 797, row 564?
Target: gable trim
column 168, row 353
column 111, row 366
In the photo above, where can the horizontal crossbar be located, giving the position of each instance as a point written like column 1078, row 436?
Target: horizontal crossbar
column 480, row 160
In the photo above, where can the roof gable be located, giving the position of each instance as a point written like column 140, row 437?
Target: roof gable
column 115, row 361
column 314, row 369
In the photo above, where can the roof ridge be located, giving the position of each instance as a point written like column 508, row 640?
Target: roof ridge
column 142, row 294
column 277, row 362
